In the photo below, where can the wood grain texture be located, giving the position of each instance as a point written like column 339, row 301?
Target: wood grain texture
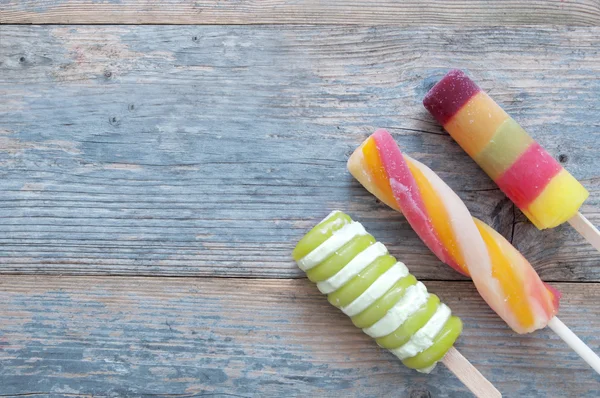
column 429, row 12
column 131, row 336
column 211, row 150
column 469, row 375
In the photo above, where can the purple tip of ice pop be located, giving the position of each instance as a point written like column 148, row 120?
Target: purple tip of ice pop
column 449, row 95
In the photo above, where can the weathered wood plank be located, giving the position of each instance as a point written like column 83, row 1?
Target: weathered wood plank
column 430, row 12
column 210, row 150
column 130, row 336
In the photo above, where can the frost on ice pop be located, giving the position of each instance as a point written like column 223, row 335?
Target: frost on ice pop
column 377, row 292
column 546, row 193
column 503, row 277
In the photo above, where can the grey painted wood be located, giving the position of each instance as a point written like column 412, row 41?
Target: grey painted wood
column 131, row 336
column 210, row 150
column 429, row 12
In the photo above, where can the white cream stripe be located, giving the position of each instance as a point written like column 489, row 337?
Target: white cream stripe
column 414, row 297
column 357, row 264
column 333, row 243
column 423, row 338
column 377, row 289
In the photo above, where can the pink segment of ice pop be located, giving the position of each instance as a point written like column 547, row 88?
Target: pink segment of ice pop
column 404, row 187
column 529, row 175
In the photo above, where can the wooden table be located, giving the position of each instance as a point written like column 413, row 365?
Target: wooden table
column 159, row 160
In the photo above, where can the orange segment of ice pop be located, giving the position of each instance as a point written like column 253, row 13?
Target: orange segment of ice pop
column 377, row 171
column 438, row 215
column 474, row 125
column 502, row 271
column 559, row 201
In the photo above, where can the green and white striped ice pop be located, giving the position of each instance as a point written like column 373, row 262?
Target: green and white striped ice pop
column 377, row 292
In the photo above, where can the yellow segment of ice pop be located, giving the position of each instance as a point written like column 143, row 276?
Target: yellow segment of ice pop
column 558, row 202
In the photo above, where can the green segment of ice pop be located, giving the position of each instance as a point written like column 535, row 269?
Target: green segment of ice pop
column 415, row 322
column 320, row 233
column 441, row 344
column 508, row 143
column 357, row 285
column 382, row 305
column 334, row 263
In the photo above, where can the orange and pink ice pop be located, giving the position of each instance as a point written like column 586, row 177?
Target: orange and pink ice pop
column 544, row 191
column 503, row 277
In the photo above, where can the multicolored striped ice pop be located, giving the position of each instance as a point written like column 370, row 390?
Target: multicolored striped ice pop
column 503, row 277
column 544, row 191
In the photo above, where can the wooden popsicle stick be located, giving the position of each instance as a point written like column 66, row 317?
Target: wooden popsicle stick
column 586, row 229
column 575, row 343
column 469, row 375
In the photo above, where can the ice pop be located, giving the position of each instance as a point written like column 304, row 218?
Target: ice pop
column 503, row 277
column 544, row 191
column 379, row 294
